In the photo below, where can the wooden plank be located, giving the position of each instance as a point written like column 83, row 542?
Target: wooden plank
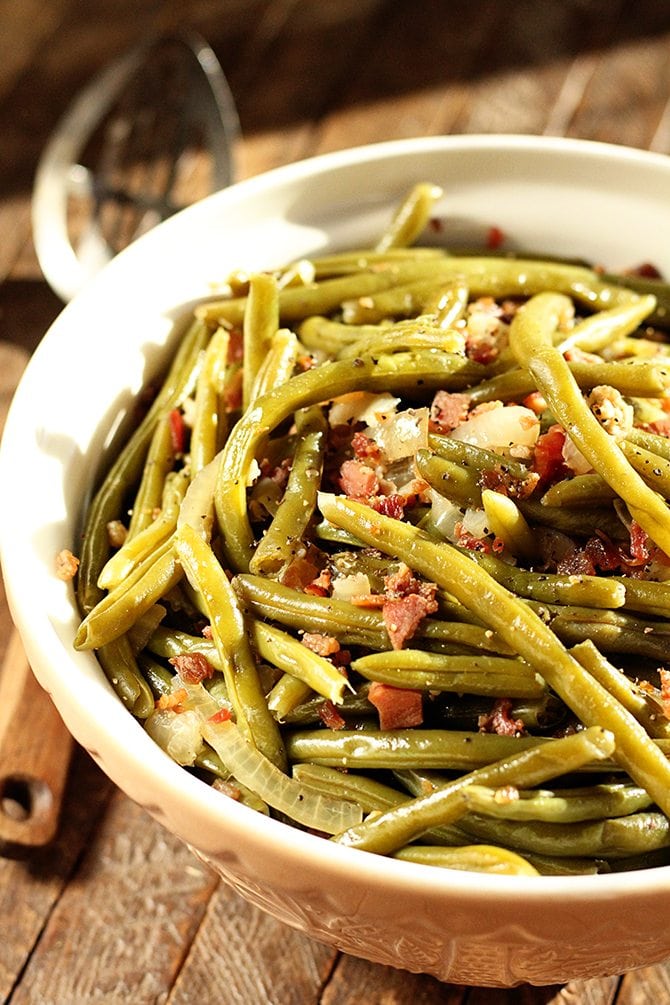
column 356, row 980
column 119, row 931
column 31, row 886
column 241, row 954
column 601, row 991
column 649, row 986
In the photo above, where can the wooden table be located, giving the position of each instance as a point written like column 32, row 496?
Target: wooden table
column 116, row 910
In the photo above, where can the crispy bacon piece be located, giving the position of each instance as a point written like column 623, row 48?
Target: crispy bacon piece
column 322, row 645
column 358, row 480
column 500, row 480
column 330, row 717
column 398, row 707
column 500, row 721
column 320, row 587
column 66, row 565
column 392, row 505
column 299, row 573
column 548, row 460
column 664, row 676
column 448, row 410
column 193, row 668
column 403, row 616
column 364, row 447
column 174, row 701
column 639, row 544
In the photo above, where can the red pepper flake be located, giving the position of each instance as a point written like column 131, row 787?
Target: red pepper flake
column 177, row 431
column 494, row 238
column 193, row 668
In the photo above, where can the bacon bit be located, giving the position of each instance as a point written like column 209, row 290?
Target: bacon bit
column 193, row 668
column 639, row 544
column 330, row 717
column 392, row 505
column 664, row 676
column 116, row 533
column 223, row 715
column 304, row 363
column 207, row 632
column 398, row 707
column 322, row 645
column 364, row 447
column 548, row 460
column 494, row 238
column 66, row 565
column 646, row 270
column 232, row 393
column 174, row 701
column 369, row 600
column 357, row 480
column 464, row 539
column 320, row 587
column 177, row 431
column 403, row 616
column 299, row 573
column 447, row 411
column 576, row 355
column 500, row 721
column 659, row 426
column 577, row 562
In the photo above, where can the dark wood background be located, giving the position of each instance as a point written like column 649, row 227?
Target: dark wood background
column 116, row 910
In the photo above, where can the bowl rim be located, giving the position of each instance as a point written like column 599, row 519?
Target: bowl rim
column 197, row 795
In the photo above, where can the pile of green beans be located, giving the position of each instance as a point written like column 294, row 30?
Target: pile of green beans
column 251, row 587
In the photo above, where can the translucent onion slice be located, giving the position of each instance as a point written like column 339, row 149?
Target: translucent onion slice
column 197, row 508
column 297, row 801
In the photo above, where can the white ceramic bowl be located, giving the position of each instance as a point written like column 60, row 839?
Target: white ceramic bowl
column 572, row 198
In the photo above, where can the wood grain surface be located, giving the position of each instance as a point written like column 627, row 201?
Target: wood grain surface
column 115, row 910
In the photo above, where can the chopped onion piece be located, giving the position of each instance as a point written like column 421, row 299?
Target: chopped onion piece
column 177, row 733
column 361, row 406
column 289, row 796
column 574, row 458
column 355, row 585
column 197, row 508
column 475, row 522
column 401, row 434
column 444, row 515
column 503, row 428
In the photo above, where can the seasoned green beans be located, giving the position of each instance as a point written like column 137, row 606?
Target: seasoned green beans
column 391, row 551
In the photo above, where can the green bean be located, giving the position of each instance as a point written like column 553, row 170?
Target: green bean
column 288, row 694
column 530, row 338
column 599, row 330
column 395, row 828
column 650, row 441
column 160, row 461
column 611, row 631
column 209, row 420
column 486, row 277
column 341, row 263
column 637, row 379
column 654, row 469
column 518, row 625
column 487, row 858
column 282, row 540
column 410, row 218
column 168, row 642
column 388, row 373
column 156, row 675
column 647, row 286
column 279, row 363
column 119, row 609
column 260, row 322
column 646, row 596
column 581, row 490
column 549, row 588
column 616, row 838
column 123, row 673
column 137, row 549
column 630, row 694
column 355, row 709
column 479, row 459
column 593, row 802
column 487, row 675
column 398, row 339
column 507, row 523
column 291, row 656
column 232, row 643
column 449, row 303
column 127, row 468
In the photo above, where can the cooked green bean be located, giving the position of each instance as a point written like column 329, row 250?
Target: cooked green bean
column 395, row 828
column 637, row 379
column 517, row 624
column 232, row 643
column 291, row 656
column 282, row 540
column 474, row 858
column 260, row 323
column 210, row 421
column 160, row 461
column 593, row 802
column 278, row 364
column 414, row 668
column 598, row 330
column 410, row 218
column 579, row 491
